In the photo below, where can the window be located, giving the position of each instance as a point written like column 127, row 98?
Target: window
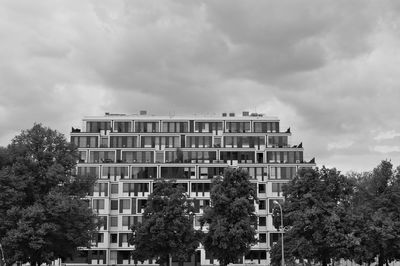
column 114, row 188
column 92, row 171
column 143, row 172
column 112, row 171
column 138, row 156
column 262, row 238
column 122, row 126
column 273, row 238
column 96, row 126
column 101, row 188
column 113, row 238
column 135, row 188
column 114, row 221
column 131, row 220
column 237, row 127
column 261, row 188
column 200, row 187
column 99, row 237
column 85, row 142
column 256, row 255
column 123, row 141
column 82, row 156
column 102, row 156
column 262, row 205
column 175, row 127
column 126, row 203
column 114, row 205
column 262, row 221
column 277, row 188
column 123, row 238
column 98, row 204
column 113, row 255
column 177, row 172
column 146, row 127
column 125, row 220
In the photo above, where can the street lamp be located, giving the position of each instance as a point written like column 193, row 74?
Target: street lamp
column 2, row 256
column 283, row 253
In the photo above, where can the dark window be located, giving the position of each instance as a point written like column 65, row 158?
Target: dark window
column 262, row 221
column 262, row 238
column 261, row 188
column 114, row 205
column 262, row 205
column 114, row 238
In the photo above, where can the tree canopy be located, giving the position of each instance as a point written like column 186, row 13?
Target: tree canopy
column 230, row 220
column 318, row 225
column 42, row 214
column 330, row 216
column 167, row 228
column 377, row 209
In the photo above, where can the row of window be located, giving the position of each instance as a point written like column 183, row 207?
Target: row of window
column 122, row 238
column 162, row 142
column 175, row 172
column 129, row 220
column 138, row 189
column 180, row 156
column 135, row 205
column 181, row 127
column 94, row 256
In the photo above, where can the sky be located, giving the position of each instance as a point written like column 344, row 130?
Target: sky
column 328, row 69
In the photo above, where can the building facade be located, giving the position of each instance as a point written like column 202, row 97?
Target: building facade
column 128, row 153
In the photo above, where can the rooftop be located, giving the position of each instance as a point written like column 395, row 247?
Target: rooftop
column 143, row 115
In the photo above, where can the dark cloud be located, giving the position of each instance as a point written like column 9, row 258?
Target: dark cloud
column 328, row 70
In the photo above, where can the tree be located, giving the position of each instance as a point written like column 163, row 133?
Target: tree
column 231, row 218
column 377, row 208
column 167, row 228
column 42, row 214
column 317, row 217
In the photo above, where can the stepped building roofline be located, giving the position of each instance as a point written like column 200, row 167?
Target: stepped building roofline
column 143, row 115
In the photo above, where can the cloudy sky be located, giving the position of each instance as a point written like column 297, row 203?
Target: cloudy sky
column 328, row 69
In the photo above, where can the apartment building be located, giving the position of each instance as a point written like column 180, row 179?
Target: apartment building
column 128, row 153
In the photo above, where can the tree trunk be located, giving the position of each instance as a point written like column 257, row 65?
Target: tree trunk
column 324, row 262
column 223, row 263
column 381, row 259
column 386, row 262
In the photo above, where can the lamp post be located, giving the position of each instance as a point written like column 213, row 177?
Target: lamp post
column 3, row 261
column 283, row 253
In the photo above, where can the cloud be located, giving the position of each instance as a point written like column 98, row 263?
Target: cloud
column 385, row 149
column 386, row 135
column 341, row 144
column 328, row 70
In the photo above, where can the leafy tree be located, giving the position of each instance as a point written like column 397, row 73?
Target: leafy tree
column 317, row 218
column 42, row 214
column 230, row 219
column 377, row 208
column 167, row 228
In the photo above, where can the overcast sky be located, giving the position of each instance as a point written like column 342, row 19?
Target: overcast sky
column 328, row 69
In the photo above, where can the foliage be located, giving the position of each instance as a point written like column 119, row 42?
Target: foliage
column 231, row 219
column 42, row 215
column 316, row 216
column 377, row 209
column 167, row 227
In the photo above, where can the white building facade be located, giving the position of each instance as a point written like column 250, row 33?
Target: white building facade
column 128, row 153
